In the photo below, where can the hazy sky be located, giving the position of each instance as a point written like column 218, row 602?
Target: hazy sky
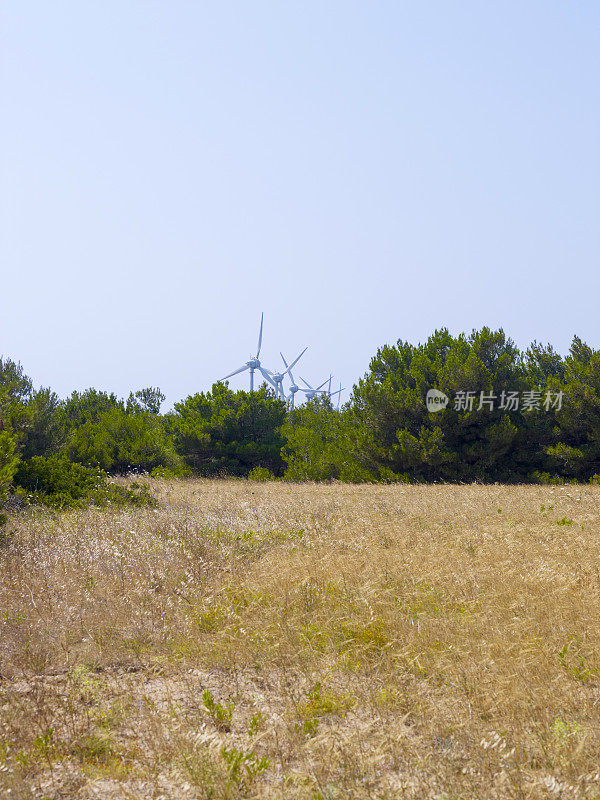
column 359, row 171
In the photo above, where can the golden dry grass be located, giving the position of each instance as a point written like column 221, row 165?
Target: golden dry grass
column 305, row 641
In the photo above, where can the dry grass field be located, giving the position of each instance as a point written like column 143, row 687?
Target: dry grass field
column 304, row 641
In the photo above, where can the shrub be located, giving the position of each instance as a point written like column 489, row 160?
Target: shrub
column 261, row 474
column 547, row 478
column 59, row 483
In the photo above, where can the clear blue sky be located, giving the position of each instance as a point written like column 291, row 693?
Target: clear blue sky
column 361, row 171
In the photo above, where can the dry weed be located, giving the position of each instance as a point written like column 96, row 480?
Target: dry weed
column 305, row 641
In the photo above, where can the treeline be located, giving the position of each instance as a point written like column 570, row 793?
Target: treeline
column 507, row 416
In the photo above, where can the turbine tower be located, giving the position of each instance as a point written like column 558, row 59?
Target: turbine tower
column 254, row 364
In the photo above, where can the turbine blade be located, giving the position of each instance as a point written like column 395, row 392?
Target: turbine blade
column 297, row 360
column 267, row 376
column 289, row 369
column 306, row 382
column 323, row 384
column 241, row 369
column 260, row 335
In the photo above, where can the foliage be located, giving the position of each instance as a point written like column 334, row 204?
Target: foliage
column 221, row 715
column 59, row 483
column 8, row 465
column 577, row 453
column 119, row 442
column 17, row 385
column 178, row 470
column 89, row 406
column 403, row 437
column 385, row 433
column 321, row 444
column 146, row 400
column 43, row 432
column 261, row 474
column 229, row 433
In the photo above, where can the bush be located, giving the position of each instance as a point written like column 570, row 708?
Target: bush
column 548, row 478
column 261, row 474
column 59, row 483
column 119, row 442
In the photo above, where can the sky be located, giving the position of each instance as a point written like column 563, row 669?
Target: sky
column 361, row 172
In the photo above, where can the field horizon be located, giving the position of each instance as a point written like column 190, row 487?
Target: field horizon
column 279, row 640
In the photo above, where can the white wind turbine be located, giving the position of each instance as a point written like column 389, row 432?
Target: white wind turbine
column 294, row 387
column 254, row 363
column 277, row 377
column 339, row 394
column 312, row 393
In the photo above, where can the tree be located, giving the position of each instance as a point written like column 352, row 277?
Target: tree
column 88, row 406
column 14, row 388
column 321, row 444
column 119, row 442
column 43, row 433
column 229, row 433
column 9, row 462
column 576, row 453
column 145, row 400
column 475, row 441
column 17, row 385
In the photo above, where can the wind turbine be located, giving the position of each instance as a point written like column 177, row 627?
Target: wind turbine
column 277, row 377
column 294, row 387
column 310, row 392
column 254, row 363
column 339, row 394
